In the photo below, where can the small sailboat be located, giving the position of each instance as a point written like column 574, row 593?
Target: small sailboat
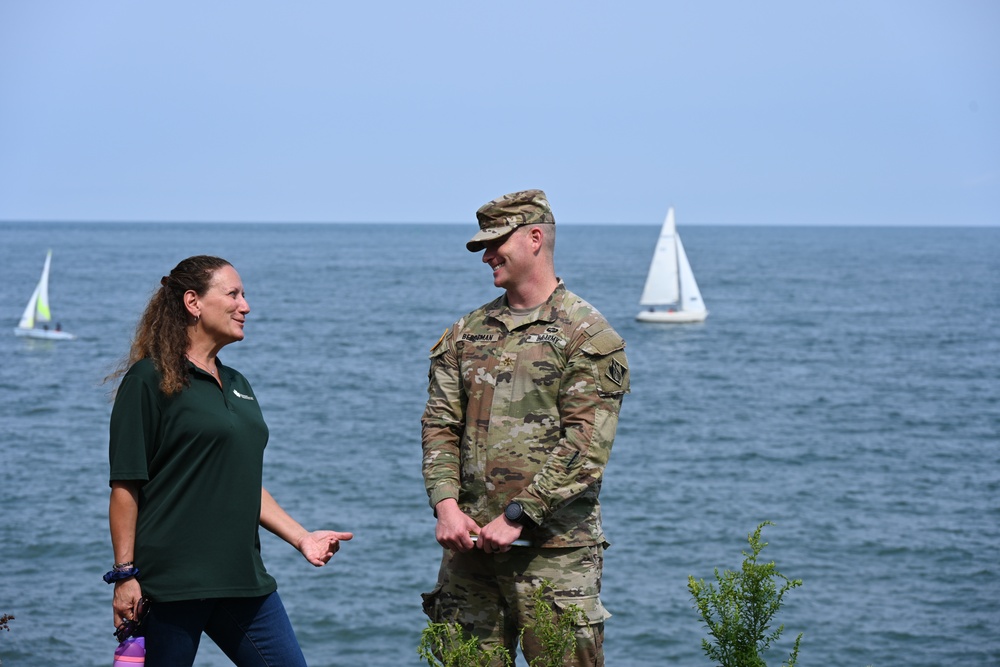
column 37, row 317
column 671, row 294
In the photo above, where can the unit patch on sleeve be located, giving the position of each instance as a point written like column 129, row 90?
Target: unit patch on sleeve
column 616, row 372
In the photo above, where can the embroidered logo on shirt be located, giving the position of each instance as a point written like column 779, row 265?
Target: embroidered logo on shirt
column 243, row 396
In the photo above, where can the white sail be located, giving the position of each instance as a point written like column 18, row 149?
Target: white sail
column 662, row 284
column 670, row 283
column 690, row 294
column 37, row 310
column 37, row 314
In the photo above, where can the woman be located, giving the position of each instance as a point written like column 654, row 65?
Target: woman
column 186, row 450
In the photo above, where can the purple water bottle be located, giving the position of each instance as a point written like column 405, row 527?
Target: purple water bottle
column 131, row 652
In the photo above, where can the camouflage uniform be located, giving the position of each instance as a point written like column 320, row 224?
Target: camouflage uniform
column 526, row 410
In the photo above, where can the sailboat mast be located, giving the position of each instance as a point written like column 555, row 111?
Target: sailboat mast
column 677, row 274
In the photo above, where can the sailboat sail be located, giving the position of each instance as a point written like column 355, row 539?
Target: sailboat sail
column 37, row 314
column 662, row 285
column 670, row 282
column 37, row 310
column 688, row 286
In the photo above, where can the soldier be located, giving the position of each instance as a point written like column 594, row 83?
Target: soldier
column 523, row 402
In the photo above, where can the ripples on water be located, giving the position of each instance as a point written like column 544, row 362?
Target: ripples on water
column 844, row 387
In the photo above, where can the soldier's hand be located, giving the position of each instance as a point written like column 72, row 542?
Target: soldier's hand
column 498, row 535
column 454, row 526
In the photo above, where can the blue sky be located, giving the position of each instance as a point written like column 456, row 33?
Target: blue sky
column 870, row 112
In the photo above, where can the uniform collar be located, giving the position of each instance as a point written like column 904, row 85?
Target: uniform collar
column 548, row 311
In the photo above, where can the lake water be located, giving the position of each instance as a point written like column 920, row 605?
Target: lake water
column 846, row 386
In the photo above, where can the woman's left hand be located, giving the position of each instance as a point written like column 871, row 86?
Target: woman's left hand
column 319, row 546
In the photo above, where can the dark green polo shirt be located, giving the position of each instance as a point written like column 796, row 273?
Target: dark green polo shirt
column 198, row 458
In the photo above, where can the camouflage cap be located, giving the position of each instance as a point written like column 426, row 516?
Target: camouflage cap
column 505, row 214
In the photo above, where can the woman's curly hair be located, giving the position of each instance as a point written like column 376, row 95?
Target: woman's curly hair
column 161, row 334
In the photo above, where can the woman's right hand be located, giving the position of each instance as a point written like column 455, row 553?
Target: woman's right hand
column 126, row 600
column 123, row 509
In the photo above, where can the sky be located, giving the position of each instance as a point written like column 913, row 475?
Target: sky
column 871, row 112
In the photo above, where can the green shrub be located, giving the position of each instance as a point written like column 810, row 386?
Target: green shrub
column 446, row 644
column 739, row 612
column 4, row 620
column 554, row 632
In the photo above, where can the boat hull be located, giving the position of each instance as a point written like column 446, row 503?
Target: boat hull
column 672, row 316
column 43, row 334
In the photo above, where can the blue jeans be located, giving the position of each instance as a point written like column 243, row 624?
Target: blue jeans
column 253, row 632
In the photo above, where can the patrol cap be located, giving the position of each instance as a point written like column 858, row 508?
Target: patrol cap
column 503, row 215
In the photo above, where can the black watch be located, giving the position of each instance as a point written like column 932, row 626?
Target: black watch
column 514, row 512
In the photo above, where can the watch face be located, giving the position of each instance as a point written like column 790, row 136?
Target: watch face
column 513, row 511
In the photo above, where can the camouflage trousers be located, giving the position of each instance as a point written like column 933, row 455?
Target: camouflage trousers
column 490, row 596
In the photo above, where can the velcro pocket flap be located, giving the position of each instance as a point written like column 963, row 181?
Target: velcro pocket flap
column 603, row 343
column 593, row 611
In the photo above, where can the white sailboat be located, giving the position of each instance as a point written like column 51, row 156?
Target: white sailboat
column 37, row 317
column 671, row 293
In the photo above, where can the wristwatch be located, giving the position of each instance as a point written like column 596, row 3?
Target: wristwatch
column 514, row 512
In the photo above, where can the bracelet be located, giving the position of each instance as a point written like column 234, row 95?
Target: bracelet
column 122, row 566
column 118, row 575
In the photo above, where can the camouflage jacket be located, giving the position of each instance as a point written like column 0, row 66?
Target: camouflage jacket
column 526, row 412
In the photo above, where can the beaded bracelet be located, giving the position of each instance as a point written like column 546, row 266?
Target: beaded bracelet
column 118, row 575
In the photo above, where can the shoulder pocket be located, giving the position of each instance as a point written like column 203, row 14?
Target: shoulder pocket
column 603, row 343
column 607, row 350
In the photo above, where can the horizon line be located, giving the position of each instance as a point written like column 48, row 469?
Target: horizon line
column 582, row 223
